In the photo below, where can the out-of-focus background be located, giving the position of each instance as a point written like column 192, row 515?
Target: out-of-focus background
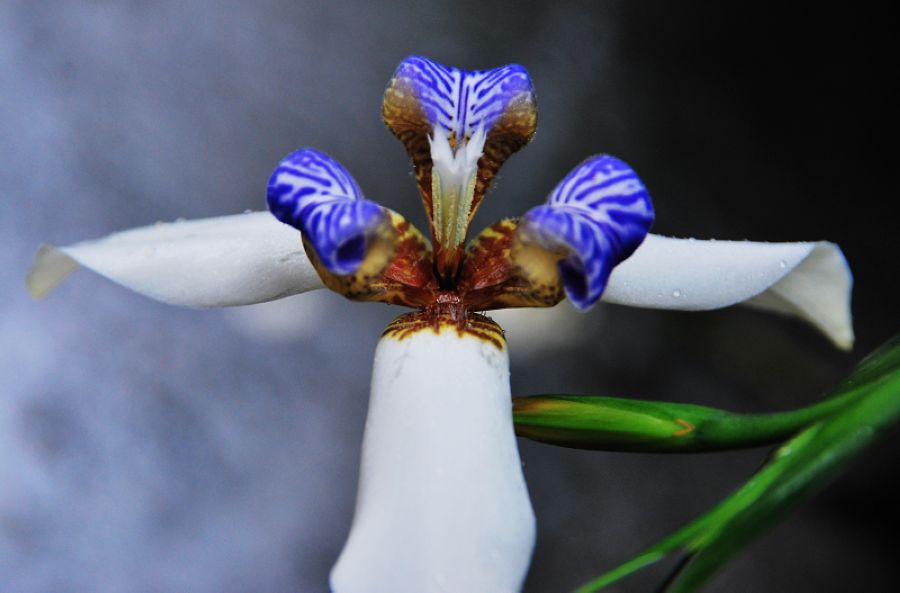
column 146, row 448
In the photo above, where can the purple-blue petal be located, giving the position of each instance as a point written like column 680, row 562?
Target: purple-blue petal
column 600, row 213
column 316, row 195
column 460, row 101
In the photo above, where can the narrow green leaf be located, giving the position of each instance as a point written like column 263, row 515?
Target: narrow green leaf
column 870, row 406
column 800, row 468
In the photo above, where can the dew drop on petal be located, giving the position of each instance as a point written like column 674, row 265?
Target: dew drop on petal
column 782, row 264
column 676, row 293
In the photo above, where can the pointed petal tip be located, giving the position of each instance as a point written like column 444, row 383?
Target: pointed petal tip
column 216, row 262
column 49, row 268
column 818, row 289
column 811, row 281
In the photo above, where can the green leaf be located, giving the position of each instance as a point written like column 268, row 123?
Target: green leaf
column 870, row 405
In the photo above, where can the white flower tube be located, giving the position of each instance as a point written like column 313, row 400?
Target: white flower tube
column 442, row 503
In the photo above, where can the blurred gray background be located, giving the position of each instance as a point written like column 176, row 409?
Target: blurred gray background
column 146, row 448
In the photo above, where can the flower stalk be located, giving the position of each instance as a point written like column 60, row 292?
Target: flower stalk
column 619, row 424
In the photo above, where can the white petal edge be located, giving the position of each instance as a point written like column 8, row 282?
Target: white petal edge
column 811, row 281
column 442, row 503
column 214, row 262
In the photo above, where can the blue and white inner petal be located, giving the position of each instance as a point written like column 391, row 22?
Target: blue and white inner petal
column 458, row 102
column 598, row 215
column 461, row 108
column 315, row 194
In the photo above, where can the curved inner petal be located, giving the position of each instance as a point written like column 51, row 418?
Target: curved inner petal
column 458, row 127
column 595, row 218
column 456, row 101
column 315, row 194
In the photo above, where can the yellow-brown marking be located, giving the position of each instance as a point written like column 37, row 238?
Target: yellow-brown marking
column 449, row 318
column 688, row 428
column 397, row 268
column 501, row 270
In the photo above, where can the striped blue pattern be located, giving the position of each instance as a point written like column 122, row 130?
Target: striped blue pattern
column 315, row 194
column 600, row 213
column 459, row 101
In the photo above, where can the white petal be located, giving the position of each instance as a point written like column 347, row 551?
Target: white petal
column 811, row 281
column 442, row 503
column 214, row 262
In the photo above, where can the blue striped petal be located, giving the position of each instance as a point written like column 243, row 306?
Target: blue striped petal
column 461, row 101
column 315, row 194
column 458, row 127
column 597, row 216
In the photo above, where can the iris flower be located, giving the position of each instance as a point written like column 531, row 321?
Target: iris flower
column 442, row 503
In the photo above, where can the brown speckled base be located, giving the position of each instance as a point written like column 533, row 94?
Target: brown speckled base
column 449, row 318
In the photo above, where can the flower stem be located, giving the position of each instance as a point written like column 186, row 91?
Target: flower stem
column 619, row 424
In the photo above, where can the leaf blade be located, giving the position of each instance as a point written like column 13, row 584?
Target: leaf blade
column 869, row 406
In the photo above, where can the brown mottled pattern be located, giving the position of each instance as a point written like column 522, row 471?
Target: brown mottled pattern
column 439, row 320
column 487, row 261
column 397, row 268
column 403, row 115
column 500, row 271
column 509, row 134
column 412, row 264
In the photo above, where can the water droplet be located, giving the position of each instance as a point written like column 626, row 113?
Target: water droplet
column 782, row 264
column 692, row 239
column 248, row 211
column 180, row 219
column 676, row 293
